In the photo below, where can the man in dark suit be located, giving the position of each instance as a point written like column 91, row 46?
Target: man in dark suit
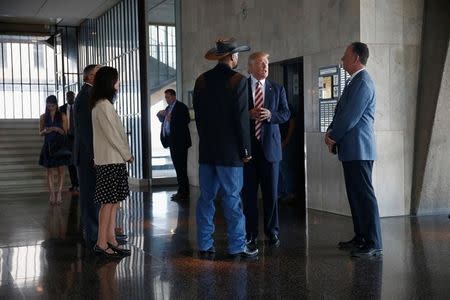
column 176, row 136
column 68, row 110
column 268, row 108
column 352, row 133
column 83, row 157
column 221, row 115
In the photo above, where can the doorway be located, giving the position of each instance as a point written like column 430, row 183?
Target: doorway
column 289, row 73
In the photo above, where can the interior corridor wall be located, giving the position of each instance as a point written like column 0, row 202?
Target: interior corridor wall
column 319, row 31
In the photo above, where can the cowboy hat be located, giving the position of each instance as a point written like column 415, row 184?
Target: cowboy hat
column 225, row 47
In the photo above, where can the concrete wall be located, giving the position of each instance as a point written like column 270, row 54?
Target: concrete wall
column 431, row 179
column 434, row 196
column 320, row 31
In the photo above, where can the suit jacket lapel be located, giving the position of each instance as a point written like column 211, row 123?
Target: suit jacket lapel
column 250, row 94
column 268, row 94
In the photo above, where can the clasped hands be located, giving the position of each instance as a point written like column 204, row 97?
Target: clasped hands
column 329, row 142
column 166, row 115
column 260, row 114
column 53, row 128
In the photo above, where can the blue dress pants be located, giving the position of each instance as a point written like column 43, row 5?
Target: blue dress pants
column 229, row 180
column 363, row 203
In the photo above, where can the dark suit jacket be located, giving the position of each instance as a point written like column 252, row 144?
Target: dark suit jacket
column 179, row 137
column 221, row 115
column 274, row 100
column 83, row 126
column 63, row 109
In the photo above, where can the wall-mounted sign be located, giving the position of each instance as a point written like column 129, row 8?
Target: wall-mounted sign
column 330, row 88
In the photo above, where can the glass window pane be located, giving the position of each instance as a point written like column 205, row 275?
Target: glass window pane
column 25, row 64
column 42, row 61
column 9, row 102
column 51, row 64
column 16, row 61
column 26, row 101
column 2, row 64
column 2, row 102
column 35, row 101
column 17, row 98
column 33, row 63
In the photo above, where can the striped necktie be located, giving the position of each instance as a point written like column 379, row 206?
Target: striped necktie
column 258, row 104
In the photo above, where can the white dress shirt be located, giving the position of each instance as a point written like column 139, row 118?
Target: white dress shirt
column 354, row 74
column 263, row 87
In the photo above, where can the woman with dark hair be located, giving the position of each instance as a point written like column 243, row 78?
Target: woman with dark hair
column 111, row 152
column 53, row 125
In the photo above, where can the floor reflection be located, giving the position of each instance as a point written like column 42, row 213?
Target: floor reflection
column 41, row 256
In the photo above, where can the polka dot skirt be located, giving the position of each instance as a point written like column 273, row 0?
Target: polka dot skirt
column 111, row 185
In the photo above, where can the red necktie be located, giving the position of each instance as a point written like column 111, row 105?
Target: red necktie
column 258, row 104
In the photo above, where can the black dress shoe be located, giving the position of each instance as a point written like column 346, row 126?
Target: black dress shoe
column 124, row 252
column 366, row 252
column 209, row 250
column 180, row 197
column 274, row 240
column 208, row 254
column 246, row 253
column 353, row 244
column 104, row 253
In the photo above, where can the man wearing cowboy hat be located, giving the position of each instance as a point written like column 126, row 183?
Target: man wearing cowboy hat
column 221, row 115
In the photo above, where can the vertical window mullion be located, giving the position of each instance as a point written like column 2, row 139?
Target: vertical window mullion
column 12, row 80
column 21, row 78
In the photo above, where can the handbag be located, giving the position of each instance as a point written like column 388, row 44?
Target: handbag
column 60, row 147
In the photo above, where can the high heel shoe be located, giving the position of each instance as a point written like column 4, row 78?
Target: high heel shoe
column 106, row 254
column 125, row 252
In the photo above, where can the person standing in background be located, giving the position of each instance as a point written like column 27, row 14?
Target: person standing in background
column 83, row 157
column 53, row 126
column 176, row 136
column 68, row 110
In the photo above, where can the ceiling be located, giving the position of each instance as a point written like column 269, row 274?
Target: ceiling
column 161, row 11
column 73, row 12
column 61, row 12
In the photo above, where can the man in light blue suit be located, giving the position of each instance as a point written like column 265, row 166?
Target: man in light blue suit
column 351, row 134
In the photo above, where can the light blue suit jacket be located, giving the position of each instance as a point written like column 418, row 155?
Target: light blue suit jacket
column 352, row 126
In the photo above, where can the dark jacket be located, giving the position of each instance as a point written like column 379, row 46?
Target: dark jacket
column 83, row 126
column 221, row 115
column 63, row 109
column 179, row 137
column 274, row 100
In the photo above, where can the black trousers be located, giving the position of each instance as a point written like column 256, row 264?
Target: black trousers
column 179, row 159
column 72, row 169
column 89, row 209
column 260, row 172
column 362, row 200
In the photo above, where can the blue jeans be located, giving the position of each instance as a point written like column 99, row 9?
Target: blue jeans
column 230, row 180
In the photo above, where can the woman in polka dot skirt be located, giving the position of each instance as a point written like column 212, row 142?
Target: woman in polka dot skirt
column 111, row 153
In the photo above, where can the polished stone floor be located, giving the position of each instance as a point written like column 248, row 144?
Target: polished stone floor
column 41, row 257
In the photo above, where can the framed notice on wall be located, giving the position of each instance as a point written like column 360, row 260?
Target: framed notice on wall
column 327, row 88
